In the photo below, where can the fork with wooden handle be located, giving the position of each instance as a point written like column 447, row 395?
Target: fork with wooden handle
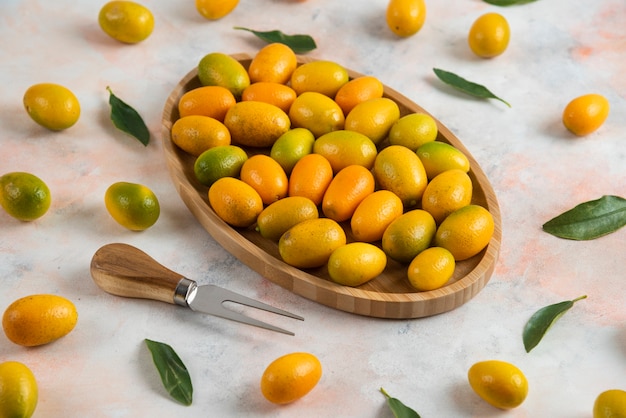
column 124, row 270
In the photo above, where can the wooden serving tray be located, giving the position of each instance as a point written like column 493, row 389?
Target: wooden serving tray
column 388, row 296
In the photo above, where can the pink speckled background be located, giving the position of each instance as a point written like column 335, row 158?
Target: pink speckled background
column 559, row 50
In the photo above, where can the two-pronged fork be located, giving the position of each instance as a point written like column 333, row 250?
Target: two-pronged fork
column 124, row 270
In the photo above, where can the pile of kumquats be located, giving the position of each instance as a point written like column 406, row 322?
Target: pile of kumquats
column 328, row 167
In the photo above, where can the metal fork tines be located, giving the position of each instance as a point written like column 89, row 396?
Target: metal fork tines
column 210, row 299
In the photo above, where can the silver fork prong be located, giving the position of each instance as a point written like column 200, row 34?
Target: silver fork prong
column 228, row 296
column 210, row 299
column 226, row 313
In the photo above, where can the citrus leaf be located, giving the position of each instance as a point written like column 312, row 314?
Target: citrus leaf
column 589, row 220
column 399, row 409
column 507, row 2
column 466, row 86
column 298, row 43
column 126, row 119
column 541, row 321
column 173, row 372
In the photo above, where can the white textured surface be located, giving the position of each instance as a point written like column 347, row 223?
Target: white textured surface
column 559, row 49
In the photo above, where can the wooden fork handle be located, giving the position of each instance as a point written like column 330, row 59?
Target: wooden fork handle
column 124, row 270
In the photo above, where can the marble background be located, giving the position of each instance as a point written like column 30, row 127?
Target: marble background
column 559, row 49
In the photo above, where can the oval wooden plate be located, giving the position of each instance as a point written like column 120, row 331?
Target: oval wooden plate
column 388, row 296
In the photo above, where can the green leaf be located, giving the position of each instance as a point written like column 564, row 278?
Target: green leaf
column 589, row 220
column 298, row 43
column 541, row 321
column 466, row 86
column 174, row 375
column 507, row 2
column 126, row 119
column 399, row 409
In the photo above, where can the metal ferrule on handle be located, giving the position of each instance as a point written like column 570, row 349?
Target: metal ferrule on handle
column 185, row 292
